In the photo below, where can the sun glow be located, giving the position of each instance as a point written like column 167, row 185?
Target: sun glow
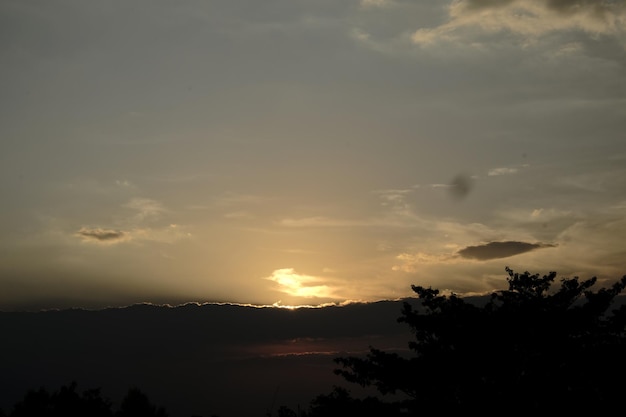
column 298, row 285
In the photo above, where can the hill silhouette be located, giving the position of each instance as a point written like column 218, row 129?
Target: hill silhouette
column 195, row 359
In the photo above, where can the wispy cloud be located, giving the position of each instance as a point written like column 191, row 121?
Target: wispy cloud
column 593, row 181
column 395, row 199
column 91, row 186
column 411, row 262
column 375, row 3
column 146, row 208
column 124, row 184
column 535, row 224
column 319, row 221
column 501, row 171
column 396, row 218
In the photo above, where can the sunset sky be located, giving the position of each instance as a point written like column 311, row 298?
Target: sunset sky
column 301, row 152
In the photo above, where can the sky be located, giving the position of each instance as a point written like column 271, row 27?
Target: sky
column 305, row 152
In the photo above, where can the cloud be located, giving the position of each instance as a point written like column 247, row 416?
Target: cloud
column 395, row 218
column 375, row 3
column 320, row 221
column 597, row 182
column 411, row 262
column 146, row 208
column 497, row 250
column 501, row 171
column 395, row 199
column 527, row 18
column 393, row 194
column 103, row 236
column 92, row 186
column 483, row 4
column 123, row 183
column 169, row 234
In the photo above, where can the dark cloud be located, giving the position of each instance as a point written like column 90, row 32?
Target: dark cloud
column 102, row 235
column 496, row 250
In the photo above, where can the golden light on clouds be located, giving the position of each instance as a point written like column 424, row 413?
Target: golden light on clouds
column 411, row 262
column 299, row 285
column 530, row 19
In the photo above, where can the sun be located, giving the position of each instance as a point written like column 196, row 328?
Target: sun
column 298, row 285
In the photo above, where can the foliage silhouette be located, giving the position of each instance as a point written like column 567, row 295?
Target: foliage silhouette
column 67, row 402
column 339, row 403
column 137, row 404
column 527, row 349
column 63, row 403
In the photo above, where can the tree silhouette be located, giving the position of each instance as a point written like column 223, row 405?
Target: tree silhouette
column 526, row 349
column 137, row 404
column 65, row 402
column 339, row 403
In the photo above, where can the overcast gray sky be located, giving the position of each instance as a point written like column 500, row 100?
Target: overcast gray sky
column 306, row 151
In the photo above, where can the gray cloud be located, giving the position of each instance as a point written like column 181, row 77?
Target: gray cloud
column 496, row 250
column 501, row 171
column 483, row 4
column 561, row 6
column 573, row 6
column 102, row 235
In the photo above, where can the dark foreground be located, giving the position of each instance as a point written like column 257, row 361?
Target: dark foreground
column 223, row 360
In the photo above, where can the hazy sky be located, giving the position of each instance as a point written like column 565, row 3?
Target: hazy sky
column 306, row 151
